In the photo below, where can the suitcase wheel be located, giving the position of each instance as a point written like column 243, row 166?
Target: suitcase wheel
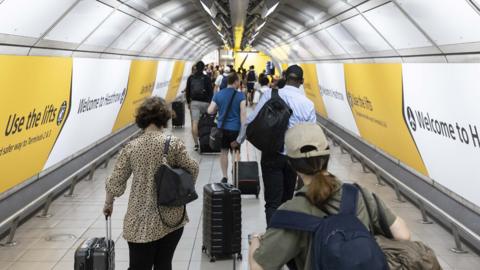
column 239, row 256
column 213, row 259
column 204, row 249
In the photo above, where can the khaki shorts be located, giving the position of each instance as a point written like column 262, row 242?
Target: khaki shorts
column 197, row 109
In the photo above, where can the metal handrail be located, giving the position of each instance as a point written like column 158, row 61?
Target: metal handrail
column 35, row 203
column 451, row 219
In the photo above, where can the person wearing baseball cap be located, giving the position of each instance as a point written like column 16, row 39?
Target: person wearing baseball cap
column 308, row 153
column 279, row 178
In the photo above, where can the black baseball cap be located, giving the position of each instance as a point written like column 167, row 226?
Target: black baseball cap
column 294, row 71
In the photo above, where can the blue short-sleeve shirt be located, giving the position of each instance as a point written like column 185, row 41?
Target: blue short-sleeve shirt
column 222, row 99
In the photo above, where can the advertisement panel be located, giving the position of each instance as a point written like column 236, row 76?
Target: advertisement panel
column 332, row 89
column 187, row 71
column 442, row 113
column 164, row 73
column 34, row 104
column 175, row 80
column 99, row 87
column 141, row 82
column 374, row 92
column 311, row 88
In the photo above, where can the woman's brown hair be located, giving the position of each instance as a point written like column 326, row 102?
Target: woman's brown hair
column 321, row 188
column 154, row 110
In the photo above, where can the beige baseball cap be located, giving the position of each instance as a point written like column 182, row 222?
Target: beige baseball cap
column 306, row 140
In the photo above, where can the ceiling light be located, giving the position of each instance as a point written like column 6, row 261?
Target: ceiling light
column 261, row 26
column 271, row 10
column 207, row 9
column 216, row 25
column 220, row 33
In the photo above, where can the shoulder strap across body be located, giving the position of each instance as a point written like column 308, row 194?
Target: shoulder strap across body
column 228, row 108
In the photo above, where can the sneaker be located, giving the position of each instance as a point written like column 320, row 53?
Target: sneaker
column 224, row 180
column 196, row 147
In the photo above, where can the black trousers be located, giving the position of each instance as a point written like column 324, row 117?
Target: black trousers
column 279, row 180
column 157, row 254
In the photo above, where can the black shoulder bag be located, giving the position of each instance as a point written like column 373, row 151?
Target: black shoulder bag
column 216, row 134
column 175, row 186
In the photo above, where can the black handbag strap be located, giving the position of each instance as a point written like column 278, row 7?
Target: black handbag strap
column 228, row 108
column 166, row 148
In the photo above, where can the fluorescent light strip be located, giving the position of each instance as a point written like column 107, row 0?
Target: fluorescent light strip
column 206, row 8
column 216, row 26
column 272, row 9
column 261, row 26
column 222, row 35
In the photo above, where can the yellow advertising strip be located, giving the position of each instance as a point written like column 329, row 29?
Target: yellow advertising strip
column 375, row 93
column 175, row 81
column 312, row 88
column 34, row 105
column 141, row 82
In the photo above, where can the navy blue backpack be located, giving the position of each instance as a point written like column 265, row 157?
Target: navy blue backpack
column 224, row 82
column 341, row 241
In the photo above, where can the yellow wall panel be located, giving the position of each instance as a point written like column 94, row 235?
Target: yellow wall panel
column 140, row 86
column 312, row 89
column 175, row 81
column 34, row 104
column 375, row 94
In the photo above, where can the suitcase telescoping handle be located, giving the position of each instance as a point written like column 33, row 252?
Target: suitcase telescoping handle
column 236, row 160
column 108, row 221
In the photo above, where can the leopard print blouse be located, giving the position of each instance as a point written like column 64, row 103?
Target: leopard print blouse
column 142, row 157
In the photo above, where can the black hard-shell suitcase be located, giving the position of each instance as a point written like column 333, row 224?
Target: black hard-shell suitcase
column 96, row 253
column 178, row 119
column 246, row 176
column 222, row 221
column 205, row 125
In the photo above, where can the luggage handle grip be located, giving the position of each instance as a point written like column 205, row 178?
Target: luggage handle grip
column 108, row 221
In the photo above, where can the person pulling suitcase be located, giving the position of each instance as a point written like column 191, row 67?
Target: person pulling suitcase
column 246, row 174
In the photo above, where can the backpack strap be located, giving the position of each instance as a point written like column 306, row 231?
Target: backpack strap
column 228, row 108
column 275, row 93
column 348, row 205
column 369, row 211
column 290, row 220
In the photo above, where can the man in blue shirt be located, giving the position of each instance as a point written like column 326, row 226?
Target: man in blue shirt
column 234, row 119
column 279, row 178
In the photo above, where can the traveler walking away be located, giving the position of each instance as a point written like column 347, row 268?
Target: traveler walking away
column 221, row 81
column 147, row 227
column 263, row 87
column 199, row 93
column 278, row 177
column 326, row 206
column 232, row 114
column 251, row 79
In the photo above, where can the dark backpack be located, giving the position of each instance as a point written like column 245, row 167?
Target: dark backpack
column 251, row 76
column 340, row 241
column 267, row 131
column 197, row 88
column 224, row 83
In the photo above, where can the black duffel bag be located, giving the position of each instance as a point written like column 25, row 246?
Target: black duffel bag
column 267, row 131
column 175, row 186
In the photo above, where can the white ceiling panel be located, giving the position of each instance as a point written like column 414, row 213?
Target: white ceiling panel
column 110, row 29
column 339, row 33
column 79, row 22
column 130, row 35
column 446, row 21
column 365, row 34
column 145, row 39
column 330, row 43
column 30, row 18
column 396, row 27
column 315, row 46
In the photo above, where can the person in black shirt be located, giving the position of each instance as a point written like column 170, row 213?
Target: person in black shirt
column 199, row 93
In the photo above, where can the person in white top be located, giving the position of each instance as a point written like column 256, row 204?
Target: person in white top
column 219, row 80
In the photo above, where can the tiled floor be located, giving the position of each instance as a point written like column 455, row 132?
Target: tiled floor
column 81, row 218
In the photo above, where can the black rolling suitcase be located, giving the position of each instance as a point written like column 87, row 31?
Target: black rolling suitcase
column 222, row 221
column 246, row 175
column 96, row 253
column 178, row 119
column 205, row 125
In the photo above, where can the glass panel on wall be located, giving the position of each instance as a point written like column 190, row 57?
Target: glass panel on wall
column 79, row 22
column 365, row 34
column 446, row 21
column 396, row 27
column 45, row 12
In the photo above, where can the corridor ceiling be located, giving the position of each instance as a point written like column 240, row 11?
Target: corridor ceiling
column 288, row 30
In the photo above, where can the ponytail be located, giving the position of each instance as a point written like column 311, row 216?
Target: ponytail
column 321, row 188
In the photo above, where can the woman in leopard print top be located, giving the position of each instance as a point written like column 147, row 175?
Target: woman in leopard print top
column 150, row 241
